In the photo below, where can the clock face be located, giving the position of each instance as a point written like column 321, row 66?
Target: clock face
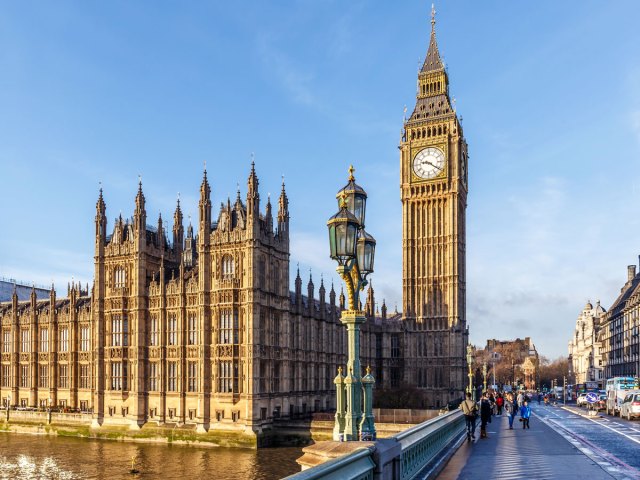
column 429, row 163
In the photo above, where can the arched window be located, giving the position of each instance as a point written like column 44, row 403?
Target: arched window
column 262, row 277
column 119, row 277
column 228, row 267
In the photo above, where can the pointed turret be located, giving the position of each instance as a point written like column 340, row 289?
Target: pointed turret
column 253, row 195
column 383, row 309
column 140, row 218
column 204, row 209
column 369, row 308
column 178, row 229
column 190, row 253
column 298, row 288
column 160, row 232
column 432, row 61
column 332, row 301
column 433, row 88
column 321, row 294
column 283, row 212
column 101, row 222
column 140, row 212
column 342, row 299
column 268, row 216
column 310, row 295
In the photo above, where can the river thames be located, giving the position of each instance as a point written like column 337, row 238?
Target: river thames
column 44, row 457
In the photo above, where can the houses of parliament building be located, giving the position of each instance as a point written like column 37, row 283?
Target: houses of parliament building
column 201, row 327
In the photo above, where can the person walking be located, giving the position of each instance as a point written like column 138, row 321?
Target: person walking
column 485, row 415
column 470, row 411
column 520, row 399
column 525, row 413
column 510, row 409
column 500, row 403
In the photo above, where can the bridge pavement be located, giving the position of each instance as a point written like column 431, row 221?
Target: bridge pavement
column 537, row 453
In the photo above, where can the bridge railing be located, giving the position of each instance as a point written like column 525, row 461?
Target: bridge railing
column 412, row 450
column 422, row 443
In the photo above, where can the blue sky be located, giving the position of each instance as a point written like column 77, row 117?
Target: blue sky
column 549, row 93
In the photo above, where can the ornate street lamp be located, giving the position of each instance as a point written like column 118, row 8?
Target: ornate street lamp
column 470, row 388
column 354, row 250
column 484, row 374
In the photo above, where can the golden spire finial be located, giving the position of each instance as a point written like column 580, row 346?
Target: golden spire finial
column 339, row 370
column 433, row 17
column 351, row 170
column 368, row 370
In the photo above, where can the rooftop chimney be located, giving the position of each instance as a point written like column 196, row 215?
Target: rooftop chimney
column 631, row 272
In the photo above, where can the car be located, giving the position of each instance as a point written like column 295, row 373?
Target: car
column 630, row 407
column 582, row 400
column 602, row 403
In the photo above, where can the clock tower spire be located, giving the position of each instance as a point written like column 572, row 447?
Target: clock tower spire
column 433, row 189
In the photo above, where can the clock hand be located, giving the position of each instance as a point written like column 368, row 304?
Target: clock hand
column 433, row 165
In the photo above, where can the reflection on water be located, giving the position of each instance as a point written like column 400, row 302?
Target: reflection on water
column 41, row 457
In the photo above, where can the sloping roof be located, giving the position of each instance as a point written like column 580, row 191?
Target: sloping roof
column 432, row 62
column 627, row 292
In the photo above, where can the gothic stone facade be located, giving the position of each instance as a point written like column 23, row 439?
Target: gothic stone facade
column 202, row 330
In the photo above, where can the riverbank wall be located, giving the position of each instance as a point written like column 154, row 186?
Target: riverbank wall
column 281, row 432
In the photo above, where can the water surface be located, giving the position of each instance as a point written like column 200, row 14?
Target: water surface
column 45, row 457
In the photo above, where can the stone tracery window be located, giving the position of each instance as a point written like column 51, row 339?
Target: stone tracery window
column 119, row 277
column 228, row 267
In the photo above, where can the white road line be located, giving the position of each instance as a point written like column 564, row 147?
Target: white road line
column 614, row 430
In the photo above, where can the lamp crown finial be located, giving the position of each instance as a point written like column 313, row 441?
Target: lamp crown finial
column 343, row 200
column 351, row 170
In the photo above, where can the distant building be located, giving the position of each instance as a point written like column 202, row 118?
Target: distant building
column 523, row 357
column 22, row 290
column 585, row 357
column 620, row 330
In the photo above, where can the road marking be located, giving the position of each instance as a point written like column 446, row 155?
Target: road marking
column 619, row 432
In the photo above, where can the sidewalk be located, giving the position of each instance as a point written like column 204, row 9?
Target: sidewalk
column 536, row 453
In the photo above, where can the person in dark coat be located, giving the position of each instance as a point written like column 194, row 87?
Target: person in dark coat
column 485, row 414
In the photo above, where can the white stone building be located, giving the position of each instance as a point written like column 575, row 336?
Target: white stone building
column 584, row 347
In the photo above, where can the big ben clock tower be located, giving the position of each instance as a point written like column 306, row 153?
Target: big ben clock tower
column 433, row 176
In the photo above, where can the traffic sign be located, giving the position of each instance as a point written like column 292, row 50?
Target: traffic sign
column 592, row 397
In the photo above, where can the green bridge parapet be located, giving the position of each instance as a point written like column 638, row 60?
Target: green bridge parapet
column 401, row 457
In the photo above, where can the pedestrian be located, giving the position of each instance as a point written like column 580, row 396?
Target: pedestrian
column 510, row 409
column 525, row 413
column 470, row 411
column 520, row 399
column 539, row 397
column 485, row 415
column 500, row 403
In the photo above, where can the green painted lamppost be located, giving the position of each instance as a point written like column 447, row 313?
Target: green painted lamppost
column 354, row 250
column 470, row 388
column 484, row 374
